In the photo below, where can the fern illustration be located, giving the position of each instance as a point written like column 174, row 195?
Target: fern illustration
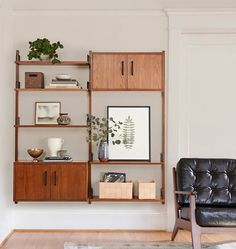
column 128, row 133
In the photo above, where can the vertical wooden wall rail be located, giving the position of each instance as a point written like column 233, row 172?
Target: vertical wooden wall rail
column 163, row 127
column 17, row 85
column 90, row 112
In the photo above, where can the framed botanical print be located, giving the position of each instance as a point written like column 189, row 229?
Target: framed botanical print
column 134, row 133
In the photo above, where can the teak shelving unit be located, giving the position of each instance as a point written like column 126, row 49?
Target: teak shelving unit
column 107, row 72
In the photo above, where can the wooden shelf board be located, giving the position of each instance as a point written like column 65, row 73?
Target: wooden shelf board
column 127, row 162
column 127, row 90
column 42, row 162
column 51, row 126
column 48, row 63
column 50, row 90
column 135, row 199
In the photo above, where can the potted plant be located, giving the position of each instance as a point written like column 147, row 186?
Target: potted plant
column 43, row 48
column 99, row 129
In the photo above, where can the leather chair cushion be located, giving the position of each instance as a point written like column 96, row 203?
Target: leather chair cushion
column 212, row 216
column 214, row 181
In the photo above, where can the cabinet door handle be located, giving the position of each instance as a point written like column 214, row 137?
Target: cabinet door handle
column 54, row 178
column 122, row 68
column 132, row 68
column 45, row 178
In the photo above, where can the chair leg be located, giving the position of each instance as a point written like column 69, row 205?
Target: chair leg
column 174, row 233
column 196, row 238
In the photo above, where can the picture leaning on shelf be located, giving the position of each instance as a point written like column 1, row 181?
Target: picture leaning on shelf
column 134, row 134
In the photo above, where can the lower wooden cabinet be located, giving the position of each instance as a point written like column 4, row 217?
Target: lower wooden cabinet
column 50, row 181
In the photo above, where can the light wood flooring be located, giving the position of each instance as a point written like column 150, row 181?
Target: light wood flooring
column 55, row 239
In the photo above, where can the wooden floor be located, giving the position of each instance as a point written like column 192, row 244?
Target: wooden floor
column 56, row 239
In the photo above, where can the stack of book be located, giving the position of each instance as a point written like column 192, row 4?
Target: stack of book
column 58, row 159
column 70, row 83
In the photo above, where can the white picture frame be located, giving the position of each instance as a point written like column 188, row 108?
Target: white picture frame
column 135, row 130
column 46, row 113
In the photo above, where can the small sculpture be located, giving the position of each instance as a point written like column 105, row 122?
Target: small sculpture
column 63, row 119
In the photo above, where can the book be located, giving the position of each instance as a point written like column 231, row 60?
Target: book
column 62, row 87
column 64, row 81
column 63, row 84
column 58, row 159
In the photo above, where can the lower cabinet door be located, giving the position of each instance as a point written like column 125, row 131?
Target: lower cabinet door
column 69, row 182
column 31, row 182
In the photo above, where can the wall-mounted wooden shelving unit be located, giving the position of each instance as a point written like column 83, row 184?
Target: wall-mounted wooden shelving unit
column 108, row 72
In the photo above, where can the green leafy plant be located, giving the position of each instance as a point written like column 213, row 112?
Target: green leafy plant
column 44, row 47
column 100, row 128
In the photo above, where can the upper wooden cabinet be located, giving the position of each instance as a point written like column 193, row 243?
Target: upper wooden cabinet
column 109, row 71
column 127, row 71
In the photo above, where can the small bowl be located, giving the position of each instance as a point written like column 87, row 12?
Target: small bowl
column 63, row 77
column 35, row 153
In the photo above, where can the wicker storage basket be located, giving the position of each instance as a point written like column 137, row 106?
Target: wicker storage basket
column 116, row 190
column 146, row 189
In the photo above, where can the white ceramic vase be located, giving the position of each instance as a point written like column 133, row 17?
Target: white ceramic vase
column 54, row 145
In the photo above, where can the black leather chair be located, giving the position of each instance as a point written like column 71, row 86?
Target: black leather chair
column 205, row 196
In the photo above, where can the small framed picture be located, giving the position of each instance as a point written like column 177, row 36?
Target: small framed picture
column 46, row 113
column 134, row 133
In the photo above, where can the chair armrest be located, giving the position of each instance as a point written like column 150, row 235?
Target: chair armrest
column 192, row 203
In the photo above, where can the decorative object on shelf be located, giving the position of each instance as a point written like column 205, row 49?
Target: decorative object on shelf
column 46, row 113
column 58, row 159
column 63, row 119
column 116, row 190
column 63, row 77
column 135, row 133
column 114, row 177
column 43, row 49
column 146, row 189
column 103, row 155
column 54, row 145
column 98, row 132
column 34, row 80
column 62, row 153
column 71, row 83
column 35, row 153
column 17, row 55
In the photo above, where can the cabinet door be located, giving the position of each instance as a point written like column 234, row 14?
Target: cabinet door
column 31, row 182
column 69, row 182
column 109, row 71
column 145, row 71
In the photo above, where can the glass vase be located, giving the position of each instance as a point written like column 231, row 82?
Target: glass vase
column 103, row 151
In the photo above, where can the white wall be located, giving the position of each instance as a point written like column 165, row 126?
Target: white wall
column 81, row 31
column 201, row 89
column 6, row 124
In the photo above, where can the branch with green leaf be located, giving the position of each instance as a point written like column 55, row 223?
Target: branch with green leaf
column 100, row 128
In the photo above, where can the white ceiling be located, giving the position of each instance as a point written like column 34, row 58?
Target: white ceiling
column 119, row 4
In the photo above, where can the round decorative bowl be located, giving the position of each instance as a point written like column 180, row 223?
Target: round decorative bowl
column 63, row 77
column 35, row 153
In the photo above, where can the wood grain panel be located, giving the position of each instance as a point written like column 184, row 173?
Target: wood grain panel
column 69, row 182
column 109, row 71
column 145, row 71
column 31, row 182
